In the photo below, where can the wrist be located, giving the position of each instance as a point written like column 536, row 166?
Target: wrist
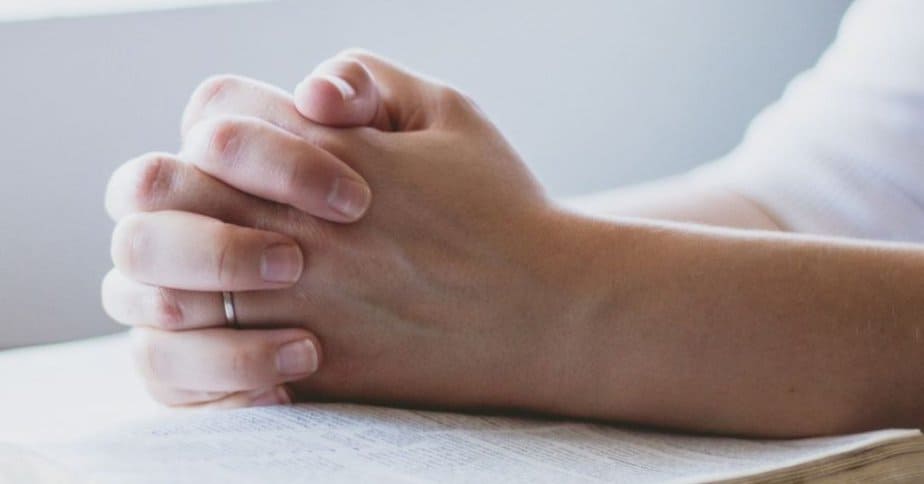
column 606, row 352
column 578, row 266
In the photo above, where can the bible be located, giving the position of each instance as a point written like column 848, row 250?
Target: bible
column 128, row 440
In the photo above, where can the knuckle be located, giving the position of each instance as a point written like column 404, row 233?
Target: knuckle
column 224, row 139
column 168, row 314
column 213, row 89
column 128, row 244
column 112, row 297
column 109, row 305
column 207, row 93
column 154, row 180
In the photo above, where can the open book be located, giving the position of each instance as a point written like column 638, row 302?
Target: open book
column 333, row 443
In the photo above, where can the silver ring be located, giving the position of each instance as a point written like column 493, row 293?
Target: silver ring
column 230, row 314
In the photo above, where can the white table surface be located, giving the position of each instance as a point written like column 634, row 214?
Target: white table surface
column 63, row 391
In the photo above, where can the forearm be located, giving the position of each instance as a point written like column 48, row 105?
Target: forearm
column 742, row 332
column 680, row 199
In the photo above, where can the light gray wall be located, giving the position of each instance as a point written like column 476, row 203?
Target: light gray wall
column 594, row 95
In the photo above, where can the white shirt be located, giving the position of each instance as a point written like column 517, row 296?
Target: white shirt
column 842, row 152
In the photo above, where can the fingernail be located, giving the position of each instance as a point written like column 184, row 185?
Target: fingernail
column 347, row 91
column 273, row 396
column 281, row 263
column 349, row 197
column 297, row 358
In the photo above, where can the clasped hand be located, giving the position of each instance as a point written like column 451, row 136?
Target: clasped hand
column 382, row 241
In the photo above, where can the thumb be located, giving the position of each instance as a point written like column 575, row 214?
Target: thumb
column 359, row 88
column 341, row 92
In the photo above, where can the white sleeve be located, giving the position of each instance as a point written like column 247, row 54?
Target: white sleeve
column 842, row 152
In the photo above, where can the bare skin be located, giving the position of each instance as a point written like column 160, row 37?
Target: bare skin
column 464, row 286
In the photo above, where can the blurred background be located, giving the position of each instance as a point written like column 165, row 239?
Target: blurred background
column 593, row 94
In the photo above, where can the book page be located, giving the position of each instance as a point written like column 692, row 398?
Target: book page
column 79, row 405
column 355, row 443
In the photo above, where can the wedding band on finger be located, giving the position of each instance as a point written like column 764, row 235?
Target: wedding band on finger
column 230, row 312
